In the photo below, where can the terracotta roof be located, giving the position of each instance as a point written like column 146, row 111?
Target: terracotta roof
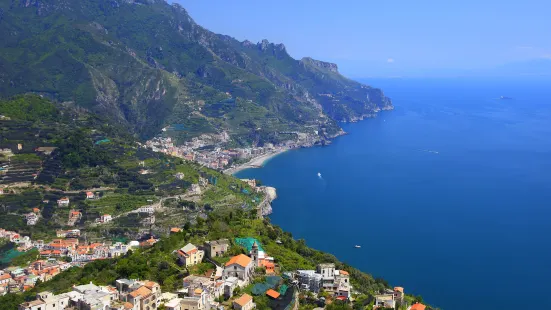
column 344, row 272
column 128, row 305
column 175, row 229
column 198, row 291
column 267, row 264
column 150, row 284
column 399, row 289
column 272, row 293
column 243, row 300
column 142, row 291
column 5, row 277
column 418, row 306
column 241, row 259
column 341, row 297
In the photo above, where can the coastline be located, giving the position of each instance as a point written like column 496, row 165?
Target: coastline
column 256, row 162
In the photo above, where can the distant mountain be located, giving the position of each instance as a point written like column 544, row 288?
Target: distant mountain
column 147, row 65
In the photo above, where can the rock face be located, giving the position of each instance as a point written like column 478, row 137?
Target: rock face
column 146, row 63
column 321, row 64
column 265, row 207
column 270, row 193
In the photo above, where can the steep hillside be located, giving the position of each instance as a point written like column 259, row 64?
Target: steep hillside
column 147, row 65
column 50, row 151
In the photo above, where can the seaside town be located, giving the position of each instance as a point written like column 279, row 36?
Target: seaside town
column 207, row 150
column 232, row 283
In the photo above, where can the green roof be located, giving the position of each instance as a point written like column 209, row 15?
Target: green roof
column 247, row 243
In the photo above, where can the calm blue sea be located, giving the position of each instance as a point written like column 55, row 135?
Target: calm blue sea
column 449, row 195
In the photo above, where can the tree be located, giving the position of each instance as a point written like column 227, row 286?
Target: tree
column 236, row 291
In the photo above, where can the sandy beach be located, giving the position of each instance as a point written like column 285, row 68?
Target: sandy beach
column 255, row 162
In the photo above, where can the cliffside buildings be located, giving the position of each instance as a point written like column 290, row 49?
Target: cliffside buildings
column 129, row 294
column 327, row 277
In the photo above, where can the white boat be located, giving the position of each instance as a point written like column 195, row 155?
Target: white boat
column 357, row 246
column 319, row 175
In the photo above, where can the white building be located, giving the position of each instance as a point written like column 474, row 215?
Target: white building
column 240, row 266
column 46, row 301
column 63, row 202
column 106, row 218
column 31, row 218
column 327, row 272
column 309, row 280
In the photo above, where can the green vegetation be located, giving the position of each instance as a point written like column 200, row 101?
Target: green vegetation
column 111, row 170
column 28, row 108
column 25, row 258
column 159, row 264
column 147, row 65
column 115, row 204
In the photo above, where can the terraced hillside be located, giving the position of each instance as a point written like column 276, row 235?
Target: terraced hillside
column 44, row 160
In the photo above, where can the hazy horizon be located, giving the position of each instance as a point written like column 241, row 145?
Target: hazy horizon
column 386, row 39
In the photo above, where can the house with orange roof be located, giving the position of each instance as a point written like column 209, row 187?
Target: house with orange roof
column 240, row 266
column 147, row 296
column 174, row 230
column 5, row 279
column 417, row 306
column 190, row 255
column 245, row 302
column 149, row 242
column 90, row 195
column 269, row 266
column 74, row 216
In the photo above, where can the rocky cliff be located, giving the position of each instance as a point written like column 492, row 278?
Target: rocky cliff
column 147, row 65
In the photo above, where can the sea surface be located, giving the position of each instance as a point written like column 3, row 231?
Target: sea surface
column 449, row 195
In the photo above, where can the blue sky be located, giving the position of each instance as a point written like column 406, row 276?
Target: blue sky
column 389, row 37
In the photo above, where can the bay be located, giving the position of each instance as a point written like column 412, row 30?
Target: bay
column 449, row 195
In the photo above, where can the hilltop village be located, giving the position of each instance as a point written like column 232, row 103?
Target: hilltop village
column 219, row 280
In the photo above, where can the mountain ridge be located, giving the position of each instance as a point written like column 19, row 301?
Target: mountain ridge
column 148, row 65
